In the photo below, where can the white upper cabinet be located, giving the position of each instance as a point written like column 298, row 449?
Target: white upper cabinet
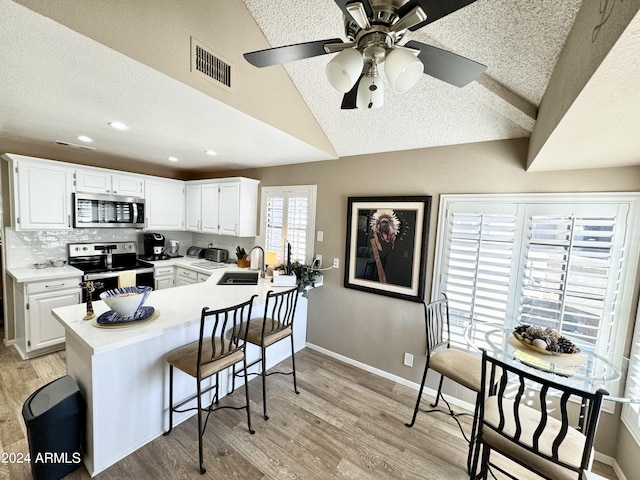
column 41, row 193
column 164, row 204
column 97, row 180
column 224, row 206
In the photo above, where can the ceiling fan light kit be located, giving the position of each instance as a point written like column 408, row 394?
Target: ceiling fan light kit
column 403, row 69
column 376, row 29
column 344, row 70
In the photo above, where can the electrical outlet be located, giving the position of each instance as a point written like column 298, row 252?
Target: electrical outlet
column 336, row 263
column 318, row 261
column 408, row 359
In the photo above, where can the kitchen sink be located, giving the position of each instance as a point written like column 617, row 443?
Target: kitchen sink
column 239, row 278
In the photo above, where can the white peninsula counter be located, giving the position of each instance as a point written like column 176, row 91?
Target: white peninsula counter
column 122, row 372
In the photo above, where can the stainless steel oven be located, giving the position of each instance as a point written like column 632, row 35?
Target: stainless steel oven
column 104, row 261
column 107, row 211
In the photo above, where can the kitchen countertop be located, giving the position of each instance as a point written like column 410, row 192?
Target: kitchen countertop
column 32, row 274
column 178, row 307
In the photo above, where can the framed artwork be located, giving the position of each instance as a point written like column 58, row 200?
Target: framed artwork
column 387, row 245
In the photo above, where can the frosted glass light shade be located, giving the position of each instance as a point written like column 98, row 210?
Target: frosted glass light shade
column 368, row 97
column 345, row 69
column 403, row 69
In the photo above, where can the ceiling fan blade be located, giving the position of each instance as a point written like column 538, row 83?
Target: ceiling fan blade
column 435, row 9
column 289, row 53
column 447, row 66
column 349, row 99
column 365, row 4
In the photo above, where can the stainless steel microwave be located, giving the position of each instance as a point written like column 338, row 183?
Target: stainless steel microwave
column 107, row 211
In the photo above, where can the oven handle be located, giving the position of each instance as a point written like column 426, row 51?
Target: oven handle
column 101, row 275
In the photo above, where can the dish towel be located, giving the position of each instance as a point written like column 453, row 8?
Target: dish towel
column 127, row 279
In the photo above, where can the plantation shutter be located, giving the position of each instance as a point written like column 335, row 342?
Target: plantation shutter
column 478, row 264
column 288, row 214
column 535, row 260
column 572, row 274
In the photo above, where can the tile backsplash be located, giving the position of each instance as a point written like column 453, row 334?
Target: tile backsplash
column 24, row 248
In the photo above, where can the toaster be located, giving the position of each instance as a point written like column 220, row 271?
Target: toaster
column 195, row 252
column 216, row 254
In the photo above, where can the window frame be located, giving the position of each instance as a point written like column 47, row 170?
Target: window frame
column 285, row 191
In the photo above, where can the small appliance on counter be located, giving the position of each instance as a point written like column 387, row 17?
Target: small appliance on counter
column 154, row 247
column 195, row 252
column 173, row 248
column 216, row 254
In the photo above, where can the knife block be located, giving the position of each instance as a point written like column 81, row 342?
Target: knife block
column 243, row 262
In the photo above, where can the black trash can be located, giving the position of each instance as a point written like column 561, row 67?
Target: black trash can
column 54, row 417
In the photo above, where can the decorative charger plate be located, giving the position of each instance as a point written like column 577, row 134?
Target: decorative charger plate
column 542, row 350
column 111, row 319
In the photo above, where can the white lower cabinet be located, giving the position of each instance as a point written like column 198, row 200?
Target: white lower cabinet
column 38, row 332
column 163, row 277
column 184, row 276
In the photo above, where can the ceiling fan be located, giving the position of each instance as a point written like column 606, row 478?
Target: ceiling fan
column 376, row 31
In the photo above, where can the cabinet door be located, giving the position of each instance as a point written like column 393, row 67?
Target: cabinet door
column 229, row 209
column 93, row 181
column 164, row 202
column 210, row 208
column 164, row 282
column 128, row 185
column 193, row 197
column 44, row 196
column 44, row 330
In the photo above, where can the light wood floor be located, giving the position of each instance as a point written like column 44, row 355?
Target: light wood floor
column 345, row 424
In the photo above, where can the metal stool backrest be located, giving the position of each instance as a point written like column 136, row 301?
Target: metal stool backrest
column 508, row 385
column 215, row 331
column 279, row 311
column 436, row 315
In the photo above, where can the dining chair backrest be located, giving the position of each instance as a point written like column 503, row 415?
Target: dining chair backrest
column 279, row 311
column 437, row 326
column 216, row 341
column 533, row 414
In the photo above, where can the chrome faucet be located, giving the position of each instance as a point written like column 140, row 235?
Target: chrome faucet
column 261, row 259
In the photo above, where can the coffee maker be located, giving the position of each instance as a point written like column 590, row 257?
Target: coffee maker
column 154, row 247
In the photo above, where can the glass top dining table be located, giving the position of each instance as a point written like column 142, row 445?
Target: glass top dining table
column 586, row 370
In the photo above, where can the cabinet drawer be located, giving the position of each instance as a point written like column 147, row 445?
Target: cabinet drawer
column 163, row 271
column 53, row 285
column 183, row 272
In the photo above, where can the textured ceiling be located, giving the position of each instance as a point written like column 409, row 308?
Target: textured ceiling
column 56, row 84
column 519, row 41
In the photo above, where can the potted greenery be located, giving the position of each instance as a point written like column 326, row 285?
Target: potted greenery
column 307, row 276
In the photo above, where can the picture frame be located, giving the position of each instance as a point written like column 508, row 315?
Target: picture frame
column 386, row 251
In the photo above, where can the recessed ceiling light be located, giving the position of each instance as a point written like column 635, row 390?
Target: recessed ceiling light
column 119, row 125
column 210, row 152
column 84, row 138
column 172, row 159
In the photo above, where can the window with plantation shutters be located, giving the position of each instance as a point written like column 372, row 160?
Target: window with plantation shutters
column 563, row 261
column 631, row 412
column 288, row 215
column 478, row 265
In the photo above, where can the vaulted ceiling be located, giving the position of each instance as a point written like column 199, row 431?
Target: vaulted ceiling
column 59, row 81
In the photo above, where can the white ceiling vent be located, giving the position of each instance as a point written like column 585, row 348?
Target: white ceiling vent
column 210, row 65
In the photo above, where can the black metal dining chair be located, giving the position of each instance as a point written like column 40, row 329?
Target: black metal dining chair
column 214, row 351
column 546, row 426
column 275, row 325
column 460, row 366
